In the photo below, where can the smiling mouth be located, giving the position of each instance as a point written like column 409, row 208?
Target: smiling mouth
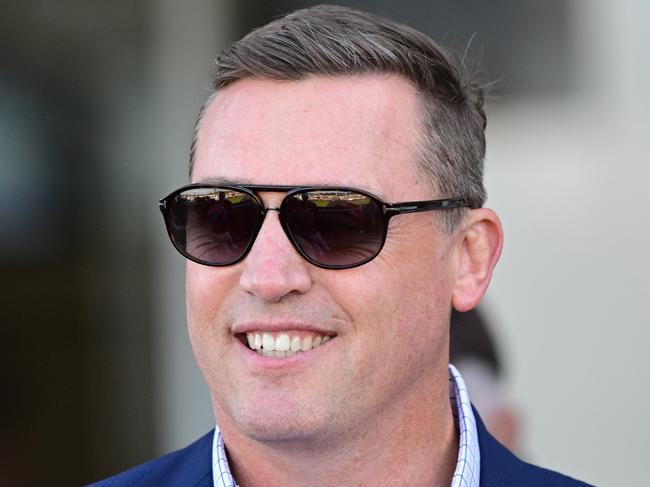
column 283, row 344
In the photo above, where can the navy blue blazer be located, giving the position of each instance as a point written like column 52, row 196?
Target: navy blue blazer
column 192, row 467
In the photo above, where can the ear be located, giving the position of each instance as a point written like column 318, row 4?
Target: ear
column 478, row 252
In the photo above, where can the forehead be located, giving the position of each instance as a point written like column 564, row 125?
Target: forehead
column 351, row 131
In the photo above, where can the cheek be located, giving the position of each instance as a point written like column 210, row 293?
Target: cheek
column 206, row 289
column 416, row 294
column 207, row 292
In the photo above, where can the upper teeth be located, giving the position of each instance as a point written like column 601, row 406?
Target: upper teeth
column 283, row 344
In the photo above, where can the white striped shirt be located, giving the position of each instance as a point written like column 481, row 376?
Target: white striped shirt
column 468, row 465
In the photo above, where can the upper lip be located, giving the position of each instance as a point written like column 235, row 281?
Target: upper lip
column 279, row 326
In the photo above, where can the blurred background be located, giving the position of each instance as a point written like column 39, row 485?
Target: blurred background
column 97, row 105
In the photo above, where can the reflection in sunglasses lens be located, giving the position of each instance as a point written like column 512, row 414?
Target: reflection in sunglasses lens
column 215, row 225
column 335, row 228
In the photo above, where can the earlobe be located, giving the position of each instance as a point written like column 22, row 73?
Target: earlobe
column 478, row 253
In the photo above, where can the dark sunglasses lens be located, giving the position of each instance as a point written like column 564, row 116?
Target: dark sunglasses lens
column 214, row 226
column 335, row 228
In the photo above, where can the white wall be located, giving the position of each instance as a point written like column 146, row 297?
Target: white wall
column 570, row 179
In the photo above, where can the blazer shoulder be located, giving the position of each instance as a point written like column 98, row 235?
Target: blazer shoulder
column 501, row 468
column 188, row 467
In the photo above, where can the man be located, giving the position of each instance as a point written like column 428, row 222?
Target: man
column 350, row 150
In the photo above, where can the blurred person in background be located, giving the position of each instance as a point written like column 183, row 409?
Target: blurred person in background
column 326, row 346
column 474, row 351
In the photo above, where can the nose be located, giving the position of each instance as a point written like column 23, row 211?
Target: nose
column 273, row 268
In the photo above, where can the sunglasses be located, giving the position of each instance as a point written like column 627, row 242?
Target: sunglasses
column 331, row 227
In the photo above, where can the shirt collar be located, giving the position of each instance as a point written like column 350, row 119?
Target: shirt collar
column 468, row 466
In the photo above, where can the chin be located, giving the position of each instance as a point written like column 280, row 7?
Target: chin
column 284, row 430
column 286, row 422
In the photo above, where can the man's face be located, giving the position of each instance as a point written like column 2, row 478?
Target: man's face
column 387, row 320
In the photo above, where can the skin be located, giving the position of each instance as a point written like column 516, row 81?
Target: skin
column 370, row 407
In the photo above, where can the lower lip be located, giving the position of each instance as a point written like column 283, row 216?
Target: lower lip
column 257, row 361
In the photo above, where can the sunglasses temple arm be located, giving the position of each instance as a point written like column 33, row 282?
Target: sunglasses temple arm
column 416, row 206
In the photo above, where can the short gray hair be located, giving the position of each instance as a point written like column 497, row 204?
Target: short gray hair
column 340, row 41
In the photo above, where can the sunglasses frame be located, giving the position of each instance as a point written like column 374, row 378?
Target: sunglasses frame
column 389, row 210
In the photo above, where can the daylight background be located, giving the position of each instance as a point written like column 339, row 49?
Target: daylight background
column 97, row 103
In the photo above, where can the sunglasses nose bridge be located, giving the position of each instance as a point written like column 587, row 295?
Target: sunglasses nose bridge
column 280, row 221
column 286, row 230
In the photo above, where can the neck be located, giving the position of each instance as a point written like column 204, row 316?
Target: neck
column 414, row 442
